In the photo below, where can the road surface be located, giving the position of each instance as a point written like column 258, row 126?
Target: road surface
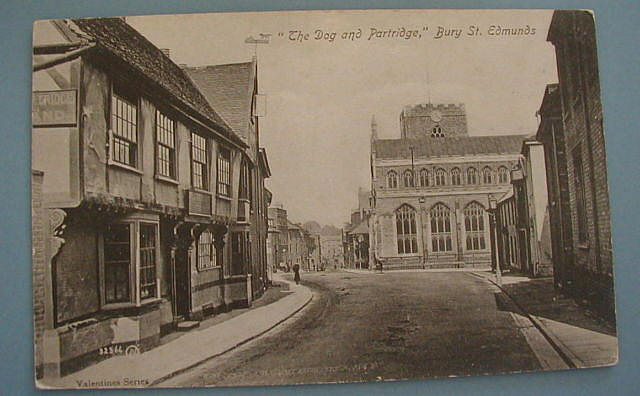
column 372, row 327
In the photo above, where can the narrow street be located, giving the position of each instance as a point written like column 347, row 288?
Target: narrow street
column 359, row 326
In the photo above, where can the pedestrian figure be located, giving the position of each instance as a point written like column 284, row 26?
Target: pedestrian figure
column 296, row 270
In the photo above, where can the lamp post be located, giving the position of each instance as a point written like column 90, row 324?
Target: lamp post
column 495, row 260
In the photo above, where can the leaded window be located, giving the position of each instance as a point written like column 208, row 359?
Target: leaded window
column 148, row 244
column 440, row 228
column 487, row 175
column 472, row 176
column 224, row 172
column 455, row 177
column 206, row 251
column 503, row 175
column 424, row 177
column 166, row 145
column 474, row 226
column 406, row 230
column 117, row 262
column 124, row 128
column 408, row 178
column 392, row 179
column 199, row 162
column 440, row 177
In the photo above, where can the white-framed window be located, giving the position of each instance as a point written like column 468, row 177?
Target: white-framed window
column 474, row 226
column 440, row 228
column 124, row 127
column 456, row 180
column 199, row 162
column 392, row 179
column 207, row 257
column 129, row 251
column 165, row 145
column 224, row 172
column 408, row 178
column 406, row 230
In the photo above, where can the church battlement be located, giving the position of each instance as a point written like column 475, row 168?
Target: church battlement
column 424, row 109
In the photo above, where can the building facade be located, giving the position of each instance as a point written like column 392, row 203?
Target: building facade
column 142, row 186
column 522, row 216
column 588, row 273
column 232, row 89
column 430, row 189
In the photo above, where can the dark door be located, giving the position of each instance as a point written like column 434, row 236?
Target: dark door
column 182, row 283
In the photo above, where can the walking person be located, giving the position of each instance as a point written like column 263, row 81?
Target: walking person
column 296, row 276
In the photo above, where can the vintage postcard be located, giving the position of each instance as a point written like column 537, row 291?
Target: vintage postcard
column 305, row 197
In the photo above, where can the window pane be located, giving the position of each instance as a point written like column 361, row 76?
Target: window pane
column 117, row 262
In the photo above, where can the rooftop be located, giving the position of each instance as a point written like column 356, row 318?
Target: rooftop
column 445, row 147
column 126, row 43
column 229, row 89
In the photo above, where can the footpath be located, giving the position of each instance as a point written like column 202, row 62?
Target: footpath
column 578, row 336
column 189, row 350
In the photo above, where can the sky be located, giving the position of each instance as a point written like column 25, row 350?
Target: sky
column 322, row 92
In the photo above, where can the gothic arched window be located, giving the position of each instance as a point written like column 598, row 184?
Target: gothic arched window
column 408, row 178
column 406, row 230
column 503, row 175
column 455, row 177
column 441, row 179
column 474, row 226
column 392, row 179
column 472, row 176
column 487, row 175
column 440, row 228
column 424, row 177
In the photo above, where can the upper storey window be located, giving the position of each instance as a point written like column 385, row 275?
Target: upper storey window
column 166, row 145
column 408, row 179
column 392, row 179
column 436, row 131
column 440, row 177
column 472, row 176
column 503, row 175
column 224, row 173
column 124, row 127
column 455, row 177
column 199, row 162
column 487, row 175
column 424, row 177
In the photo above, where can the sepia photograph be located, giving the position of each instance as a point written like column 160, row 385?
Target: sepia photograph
column 318, row 197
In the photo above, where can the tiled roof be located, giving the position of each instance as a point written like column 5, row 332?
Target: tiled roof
column 123, row 41
column 452, row 146
column 229, row 89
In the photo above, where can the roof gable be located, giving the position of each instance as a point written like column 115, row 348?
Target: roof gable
column 123, row 41
column 229, row 89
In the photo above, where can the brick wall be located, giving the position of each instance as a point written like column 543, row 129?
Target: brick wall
column 573, row 35
column 38, row 235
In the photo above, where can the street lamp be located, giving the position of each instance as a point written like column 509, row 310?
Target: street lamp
column 493, row 205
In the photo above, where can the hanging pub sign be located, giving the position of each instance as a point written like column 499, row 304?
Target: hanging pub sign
column 54, row 108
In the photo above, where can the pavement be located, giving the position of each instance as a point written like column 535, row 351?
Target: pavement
column 399, row 271
column 578, row 336
column 193, row 348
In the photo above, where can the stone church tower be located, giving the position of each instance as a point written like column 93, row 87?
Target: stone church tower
column 433, row 120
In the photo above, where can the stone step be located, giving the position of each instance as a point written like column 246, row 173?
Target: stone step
column 187, row 325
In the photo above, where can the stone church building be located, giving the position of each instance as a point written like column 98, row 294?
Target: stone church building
column 430, row 189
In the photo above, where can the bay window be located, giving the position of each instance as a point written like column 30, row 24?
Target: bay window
column 129, row 262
